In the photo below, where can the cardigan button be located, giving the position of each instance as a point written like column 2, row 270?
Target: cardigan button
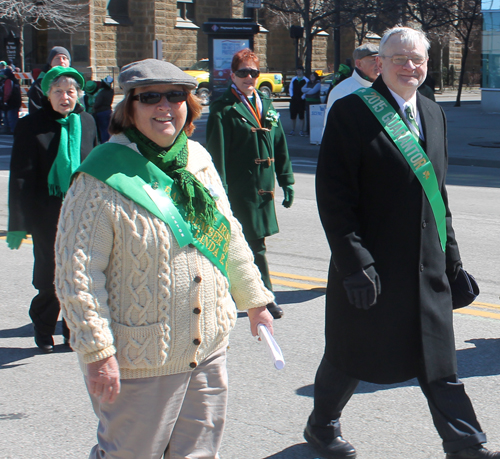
column 424, row 224
column 192, row 364
column 196, row 311
column 197, row 279
column 421, row 268
column 196, row 341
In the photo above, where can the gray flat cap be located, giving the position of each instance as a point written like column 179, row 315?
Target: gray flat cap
column 153, row 71
column 367, row 49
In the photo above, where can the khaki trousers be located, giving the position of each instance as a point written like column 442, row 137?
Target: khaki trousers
column 180, row 416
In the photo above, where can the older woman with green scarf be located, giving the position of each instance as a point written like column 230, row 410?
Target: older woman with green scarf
column 151, row 269
column 49, row 145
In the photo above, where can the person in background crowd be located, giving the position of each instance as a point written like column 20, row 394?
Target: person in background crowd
column 297, row 103
column 48, row 147
column 311, row 94
column 102, row 110
column 89, row 97
column 12, row 100
column 395, row 260
column 150, row 308
column 58, row 56
column 3, row 121
column 247, row 143
column 340, row 75
column 428, row 87
column 364, row 74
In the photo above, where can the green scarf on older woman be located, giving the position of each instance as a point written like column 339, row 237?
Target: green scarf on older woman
column 68, row 155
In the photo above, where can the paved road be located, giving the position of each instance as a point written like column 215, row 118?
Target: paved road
column 45, row 412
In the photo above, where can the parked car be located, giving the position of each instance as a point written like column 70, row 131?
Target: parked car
column 267, row 83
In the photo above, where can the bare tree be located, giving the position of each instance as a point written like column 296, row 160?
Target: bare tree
column 312, row 15
column 66, row 16
column 466, row 24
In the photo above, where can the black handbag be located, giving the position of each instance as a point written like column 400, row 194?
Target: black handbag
column 464, row 290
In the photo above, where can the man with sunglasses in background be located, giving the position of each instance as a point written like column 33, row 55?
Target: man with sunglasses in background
column 248, row 146
column 395, row 259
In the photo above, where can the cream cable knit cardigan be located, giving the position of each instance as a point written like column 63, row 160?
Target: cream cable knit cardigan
column 127, row 288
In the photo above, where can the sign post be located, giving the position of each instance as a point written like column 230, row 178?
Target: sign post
column 225, row 38
column 158, row 49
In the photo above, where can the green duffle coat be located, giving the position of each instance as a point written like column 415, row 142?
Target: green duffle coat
column 238, row 155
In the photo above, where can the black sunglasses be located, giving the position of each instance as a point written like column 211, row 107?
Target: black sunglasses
column 243, row 73
column 151, row 98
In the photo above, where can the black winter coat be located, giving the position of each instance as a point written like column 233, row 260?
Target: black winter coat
column 374, row 211
column 36, row 141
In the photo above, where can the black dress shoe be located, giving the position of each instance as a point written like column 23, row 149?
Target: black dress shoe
column 275, row 310
column 44, row 342
column 473, row 452
column 338, row 448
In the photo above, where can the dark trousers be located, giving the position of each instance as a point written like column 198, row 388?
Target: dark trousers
column 451, row 408
column 45, row 307
column 258, row 247
column 12, row 116
column 102, row 122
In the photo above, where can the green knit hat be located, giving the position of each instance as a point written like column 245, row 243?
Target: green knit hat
column 58, row 71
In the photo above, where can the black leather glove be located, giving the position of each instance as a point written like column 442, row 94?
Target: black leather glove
column 452, row 270
column 363, row 287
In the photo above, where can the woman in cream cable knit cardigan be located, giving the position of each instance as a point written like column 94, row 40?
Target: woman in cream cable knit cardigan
column 149, row 265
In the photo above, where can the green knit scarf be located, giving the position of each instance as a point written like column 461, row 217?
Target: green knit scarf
column 68, row 155
column 196, row 200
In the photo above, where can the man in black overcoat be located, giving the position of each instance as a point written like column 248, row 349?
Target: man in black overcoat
column 389, row 306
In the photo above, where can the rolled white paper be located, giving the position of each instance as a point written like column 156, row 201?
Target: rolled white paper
column 274, row 349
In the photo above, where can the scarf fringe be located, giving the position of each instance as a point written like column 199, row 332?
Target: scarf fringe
column 55, row 190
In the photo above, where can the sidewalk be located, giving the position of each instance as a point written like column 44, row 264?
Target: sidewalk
column 473, row 136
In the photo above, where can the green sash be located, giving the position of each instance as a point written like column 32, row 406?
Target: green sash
column 412, row 152
column 132, row 175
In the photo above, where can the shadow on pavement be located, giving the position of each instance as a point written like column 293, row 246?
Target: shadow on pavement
column 10, row 355
column 481, row 360
column 298, row 296
column 299, row 451
column 19, row 332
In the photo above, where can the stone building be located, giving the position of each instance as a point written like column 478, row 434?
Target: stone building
column 121, row 31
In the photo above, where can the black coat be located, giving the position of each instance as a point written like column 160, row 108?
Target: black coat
column 35, row 96
column 36, row 141
column 374, row 211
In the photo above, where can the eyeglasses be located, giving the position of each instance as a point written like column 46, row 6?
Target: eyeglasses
column 243, row 73
column 401, row 59
column 152, row 98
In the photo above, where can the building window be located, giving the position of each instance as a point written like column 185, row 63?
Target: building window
column 117, row 13
column 185, row 15
column 185, row 10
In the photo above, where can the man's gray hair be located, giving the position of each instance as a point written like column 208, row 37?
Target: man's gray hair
column 408, row 37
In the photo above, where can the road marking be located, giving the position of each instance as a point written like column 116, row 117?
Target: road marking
column 28, row 239
column 478, row 309
column 296, row 276
column 477, row 312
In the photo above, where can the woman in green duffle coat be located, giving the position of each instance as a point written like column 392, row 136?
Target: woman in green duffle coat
column 248, row 146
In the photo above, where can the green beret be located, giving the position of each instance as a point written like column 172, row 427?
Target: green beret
column 58, row 71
